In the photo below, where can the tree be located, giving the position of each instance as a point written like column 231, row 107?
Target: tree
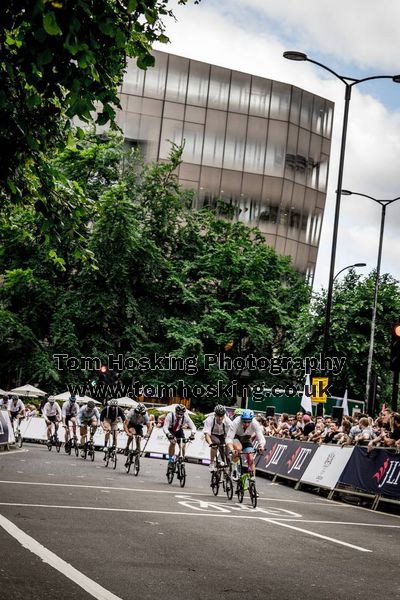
column 350, row 330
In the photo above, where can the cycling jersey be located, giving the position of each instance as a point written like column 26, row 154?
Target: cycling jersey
column 174, row 423
column 69, row 409
column 237, row 431
column 112, row 413
column 86, row 415
column 212, row 427
column 134, row 418
column 15, row 407
column 51, row 410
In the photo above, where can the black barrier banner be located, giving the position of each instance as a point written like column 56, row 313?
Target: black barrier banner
column 377, row 472
column 287, row 458
column 3, row 429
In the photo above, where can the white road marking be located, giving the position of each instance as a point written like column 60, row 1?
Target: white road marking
column 153, row 491
column 339, row 523
column 318, row 535
column 273, row 521
column 28, row 542
column 11, row 452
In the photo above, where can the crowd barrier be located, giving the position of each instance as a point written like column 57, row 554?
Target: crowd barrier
column 351, row 468
column 6, row 430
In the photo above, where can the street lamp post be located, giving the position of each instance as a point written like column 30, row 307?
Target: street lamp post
column 383, row 204
column 349, row 267
column 349, row 82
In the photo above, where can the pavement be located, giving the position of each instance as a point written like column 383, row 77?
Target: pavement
column 70, row 528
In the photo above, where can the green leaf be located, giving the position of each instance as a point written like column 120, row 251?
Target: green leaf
column 50, row 24
column 132, row 4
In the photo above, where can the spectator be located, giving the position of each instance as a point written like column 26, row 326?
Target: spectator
column 366, row 432
column 329, row 436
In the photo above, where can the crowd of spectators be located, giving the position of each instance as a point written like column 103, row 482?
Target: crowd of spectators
column 359, row 429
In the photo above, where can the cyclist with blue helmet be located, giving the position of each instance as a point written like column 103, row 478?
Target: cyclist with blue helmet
column 239, row 439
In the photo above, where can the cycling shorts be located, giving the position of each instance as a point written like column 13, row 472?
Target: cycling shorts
column 245, row 441
column 68, row 418
column 178, row 435
column 52, row 418
column 110, row 425
column 137, row 429
column 14, row 415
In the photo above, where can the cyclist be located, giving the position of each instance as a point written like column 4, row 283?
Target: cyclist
column 109, row 421
column 239, row 436
column 52, row 414
column 69, row 412
column 87, row 415
column 133, row 425
column 16, row 409
column 216, row 426
column 173, row 429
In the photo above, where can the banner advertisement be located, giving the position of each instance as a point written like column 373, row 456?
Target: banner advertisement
column 377, row 472
column 6, row 430
column 287, row 458
column 327, row 465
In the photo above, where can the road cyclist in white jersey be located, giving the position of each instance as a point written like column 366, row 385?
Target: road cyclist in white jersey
column 173, row 429
column 216, row 427
column 239, row 440
column 136, row 418
column 52, row 414
column 69, row 413
column 16, row 409
column 88, row 415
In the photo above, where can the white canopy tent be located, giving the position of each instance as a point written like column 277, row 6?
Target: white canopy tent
column 80, row 399
column 126, row 402
column 171, row 408
column 29, row 391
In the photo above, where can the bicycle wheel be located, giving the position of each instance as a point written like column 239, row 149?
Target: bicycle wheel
column 136, row 467
column 19, row 440
column 215, row 482
column 170, row 473
column 76, row 448
column 58, row 445
column 49, row 445
column 228, row 487
column 128, row 463
column 240, row 490
column 107, row 457
column 114, row 459
column 182, row 475
column 68, row 447
column 92, row 453
column 253, row 494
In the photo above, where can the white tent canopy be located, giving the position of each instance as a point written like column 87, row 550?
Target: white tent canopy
column 126, row 402
column 85, row 400
column 29, row 390
column 80, row 399
column 171, row 408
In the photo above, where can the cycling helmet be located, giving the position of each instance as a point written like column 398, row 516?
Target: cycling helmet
column 180, row 409
column 140, row 409
column 219, row 410
column 113, row 402
column 52, row 399
column 90, row 404
column 247, row 415
column 72, row 398
column 237, row 412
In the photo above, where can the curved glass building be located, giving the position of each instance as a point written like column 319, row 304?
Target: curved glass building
column 255, row 148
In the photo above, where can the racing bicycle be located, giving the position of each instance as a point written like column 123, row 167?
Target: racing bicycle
column 222, row 473
column 246, row 482
column 178, row 465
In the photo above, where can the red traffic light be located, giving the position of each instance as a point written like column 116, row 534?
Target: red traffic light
column 103, row 369
column 396, row 330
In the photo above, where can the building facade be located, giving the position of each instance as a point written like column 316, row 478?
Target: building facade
column 256, row 149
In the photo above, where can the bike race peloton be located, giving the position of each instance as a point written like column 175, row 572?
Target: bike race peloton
column 173, row 429
column 216, row 426
column 239, row 436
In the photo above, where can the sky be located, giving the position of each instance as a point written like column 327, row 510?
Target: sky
column 357, row 39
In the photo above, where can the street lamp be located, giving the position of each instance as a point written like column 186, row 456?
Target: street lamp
column 349, row 82
column 383, row 204
column 349, row 267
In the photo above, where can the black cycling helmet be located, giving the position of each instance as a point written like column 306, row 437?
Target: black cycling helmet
column 219, row 410
column 140, row 409
column 90, row 404
column 72, row 398
column 180, row 409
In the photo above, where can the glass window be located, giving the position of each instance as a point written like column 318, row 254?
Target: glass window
column 154, row 83
column 272, row 190
column 276, row 149
column 235, row 141
column 219, row 88
column 197, row 92
column 171, row 132
column 189, row 172
column 302, row 158
column 231, row 183
column 173, row 110
column 145, row 106
column 210, row 186
column 291, row 248
column 295, row 104
column 214, row 138
column 251, row 194
column 144, row 132
column 314, row 159
column 133, row 79
column 193, row 136
column 177, row 78
column 195, row 114
column 291, row 152
column 239, row 95
column 328, row 118
column 306, row 110
column 280, row 101
column 260, row 97
column 318, row 115
column 256, row 142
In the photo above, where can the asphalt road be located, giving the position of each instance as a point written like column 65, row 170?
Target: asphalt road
column 73, row 529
